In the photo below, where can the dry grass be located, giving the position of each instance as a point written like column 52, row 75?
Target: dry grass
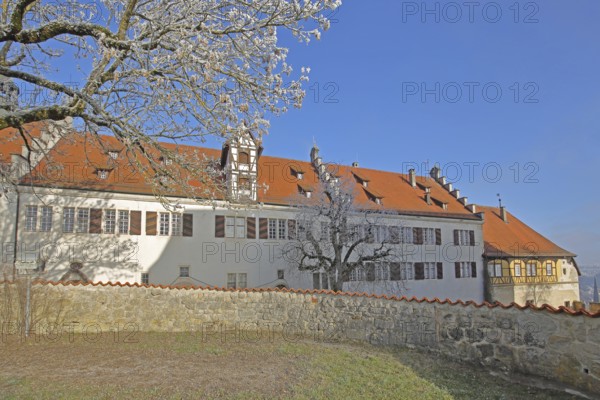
column 186, row 366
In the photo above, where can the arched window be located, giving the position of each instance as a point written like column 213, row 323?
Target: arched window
column 244, row 157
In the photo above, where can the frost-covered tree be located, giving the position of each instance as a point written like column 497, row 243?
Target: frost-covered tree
column 336, row 236
column 152, row 70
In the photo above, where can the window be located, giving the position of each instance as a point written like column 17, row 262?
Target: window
column 184, row 271
column 31, row 218
column 407, row 235
column 357, row 274
column 466, row 270
column 272, row 229
column 83, row 220
column 320, row 281
column 280, row 274
column 235, row 227
column 282, row 229
column 567, row 304
column 145, row 278
column 102, row 174
column 123, row 222
column 531, row 268
column 301, row 230
column 407, row 271
column 430, row 270
column 428, row 236
column 46, row 219
column 382, row 272
column 237, row 281
column 110, row 220
column 244, row 157
column 517, row 268
column 549, row 269
column 164, row 224
column 113, row 154
column 495, row 269
column 68, row 219
column 176, row 224
column 463, row 237
column 381, row 233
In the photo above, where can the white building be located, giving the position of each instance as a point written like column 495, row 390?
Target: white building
column 89, row 215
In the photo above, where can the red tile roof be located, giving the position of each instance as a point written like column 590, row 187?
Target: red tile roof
column 515, row 238
column 80, row 156
column 11, row 141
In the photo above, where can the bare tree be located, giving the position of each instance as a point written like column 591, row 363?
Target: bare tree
column 146, row 71
column 338, row 237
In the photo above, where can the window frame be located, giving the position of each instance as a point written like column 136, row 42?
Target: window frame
column 184, row 271
column 106, row 220
column 120, row 219
column 164, row 224
column 68, row 218
column 31, row 218
column 82, row 220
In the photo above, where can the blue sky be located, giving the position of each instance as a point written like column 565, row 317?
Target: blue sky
column 380, row 52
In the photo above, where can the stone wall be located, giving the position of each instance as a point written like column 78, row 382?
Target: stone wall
column 555, row 344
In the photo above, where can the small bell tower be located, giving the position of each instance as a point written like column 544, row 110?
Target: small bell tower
column 239, row 158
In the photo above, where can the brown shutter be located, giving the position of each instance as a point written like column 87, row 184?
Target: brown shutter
column 251, row 228
column 291, row 229
column 418, row 235
column 135, row 222
column 457, row 268
column 95, row 220
column 219, row 226
column 150, row 223
column 395, row 271
column 370, row 272
column 438, row 236
column 456, row 241
column 188, row 225
column 440, row 270
column 263, row 228
column 472, row 238
column 473, row 270
column 419, row 271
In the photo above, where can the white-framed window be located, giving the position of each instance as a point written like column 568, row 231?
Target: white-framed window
column 382, row 272
column 531, row 268
column 83, row 220
column 113, row 154
column 46, row 219
column 382, row 233
column 176, row 224
column 465, row 270
column 235, row 227
column 110, row 221
column 145, row 278
column 102, row 174
column 428, row 237
column 495, row 269
column 406, row 235
column 430, row 270
column 407, row 271
column 272, row 229
column 518, row 268
column 549, row 269
column 237, row 280
column 124, row 222
column 320, row 281
column 163, row 225
column 464, row 237
column 357, row 274
column 184, row 271
column 68, row 219
column 282, row 229
column 31, row 217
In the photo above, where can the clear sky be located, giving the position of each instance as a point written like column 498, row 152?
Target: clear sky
column 372, row 66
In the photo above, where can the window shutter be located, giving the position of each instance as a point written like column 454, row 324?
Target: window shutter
column 395, row 271
column 263, row 228
column 438, row 236
column 95, row 220
column 440, row 270
column 291, row 229
column 473, row 270
column 251, row 228
column 219, row 226
column 419, row 271
column 419, row 235
column 370, row 272
column 457, row 268
column 150, row 223
column 188, row 225
column 456, row 240
column 471, row 238
column 135, row 222
column 415, row 235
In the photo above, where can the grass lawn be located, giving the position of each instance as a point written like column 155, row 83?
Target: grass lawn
column 174, row 366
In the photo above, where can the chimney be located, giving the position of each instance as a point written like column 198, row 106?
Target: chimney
column 503, row 214
column 355, row 164
column 472, row 208
column 412, row 177
column 428, row 195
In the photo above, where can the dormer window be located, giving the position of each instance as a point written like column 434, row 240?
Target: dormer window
column 377, row 200
column 297, row 171
column 113, row 154
column 165, row 161
column 305, row 190
column 365, row 184
column 102, row 174
column 299, row 175
column 360, row 178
